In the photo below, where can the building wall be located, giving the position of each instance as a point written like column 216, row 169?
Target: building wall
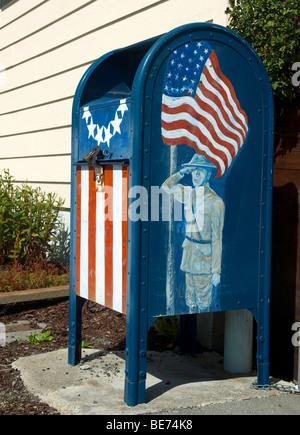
column 45, row 47
column 285, row 289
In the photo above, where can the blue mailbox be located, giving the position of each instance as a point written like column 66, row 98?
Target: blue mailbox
column 172, row 152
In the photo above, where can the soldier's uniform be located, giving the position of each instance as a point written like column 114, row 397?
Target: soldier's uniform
column 202, row 247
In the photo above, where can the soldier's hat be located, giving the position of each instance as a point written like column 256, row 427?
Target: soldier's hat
column 199, row 161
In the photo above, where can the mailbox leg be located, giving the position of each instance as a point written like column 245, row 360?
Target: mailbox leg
column 263, row 343
column 136, row 366
column 136, row 358
column 75, row 319
column 136, row 321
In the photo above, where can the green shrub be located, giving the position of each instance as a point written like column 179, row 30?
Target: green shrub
column 29, row 221
column 272, row 28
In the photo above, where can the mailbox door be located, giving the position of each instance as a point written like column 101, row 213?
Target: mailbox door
column 105, row 124
column 101, row 234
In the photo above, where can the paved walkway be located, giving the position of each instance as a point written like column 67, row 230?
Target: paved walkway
column 176, row 385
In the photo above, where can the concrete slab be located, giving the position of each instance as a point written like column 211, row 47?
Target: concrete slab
column 175, row 384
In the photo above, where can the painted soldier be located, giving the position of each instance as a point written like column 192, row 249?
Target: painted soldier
column 204, row 217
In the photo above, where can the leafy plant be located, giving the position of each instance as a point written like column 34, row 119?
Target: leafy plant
column 272, row 28
column 29, row 220
column 36, row 340
column 86, row 345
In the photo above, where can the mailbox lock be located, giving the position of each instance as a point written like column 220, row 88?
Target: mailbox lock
column 99, row 178
column 90, row 157
column 96, row 152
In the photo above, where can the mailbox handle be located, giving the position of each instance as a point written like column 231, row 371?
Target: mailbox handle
column 99, row 177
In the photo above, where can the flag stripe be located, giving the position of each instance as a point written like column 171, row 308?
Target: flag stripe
column 207, row 104
column 227, row 84
column 224, row 95
column 101, row 237
column 109, row 235
column 117, row 238
column 226, row 90
column 176, row 137
column 214, row 125
column 92, row 238
column 207, row 135
column 84, row 234
column 78, row 226
column 216, row 94
column 184, row 121
column 100, row 246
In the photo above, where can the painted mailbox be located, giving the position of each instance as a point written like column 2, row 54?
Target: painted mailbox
column 171, row 187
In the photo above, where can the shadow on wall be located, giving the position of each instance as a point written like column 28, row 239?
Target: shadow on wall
column 283, row 279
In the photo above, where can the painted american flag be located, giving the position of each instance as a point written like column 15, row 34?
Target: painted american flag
column 199, row 106
column 101, row 236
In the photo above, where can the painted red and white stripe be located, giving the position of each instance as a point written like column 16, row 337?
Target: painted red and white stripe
column 101, row 236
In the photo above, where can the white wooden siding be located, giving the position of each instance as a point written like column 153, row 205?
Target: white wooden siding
column 45, row 47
